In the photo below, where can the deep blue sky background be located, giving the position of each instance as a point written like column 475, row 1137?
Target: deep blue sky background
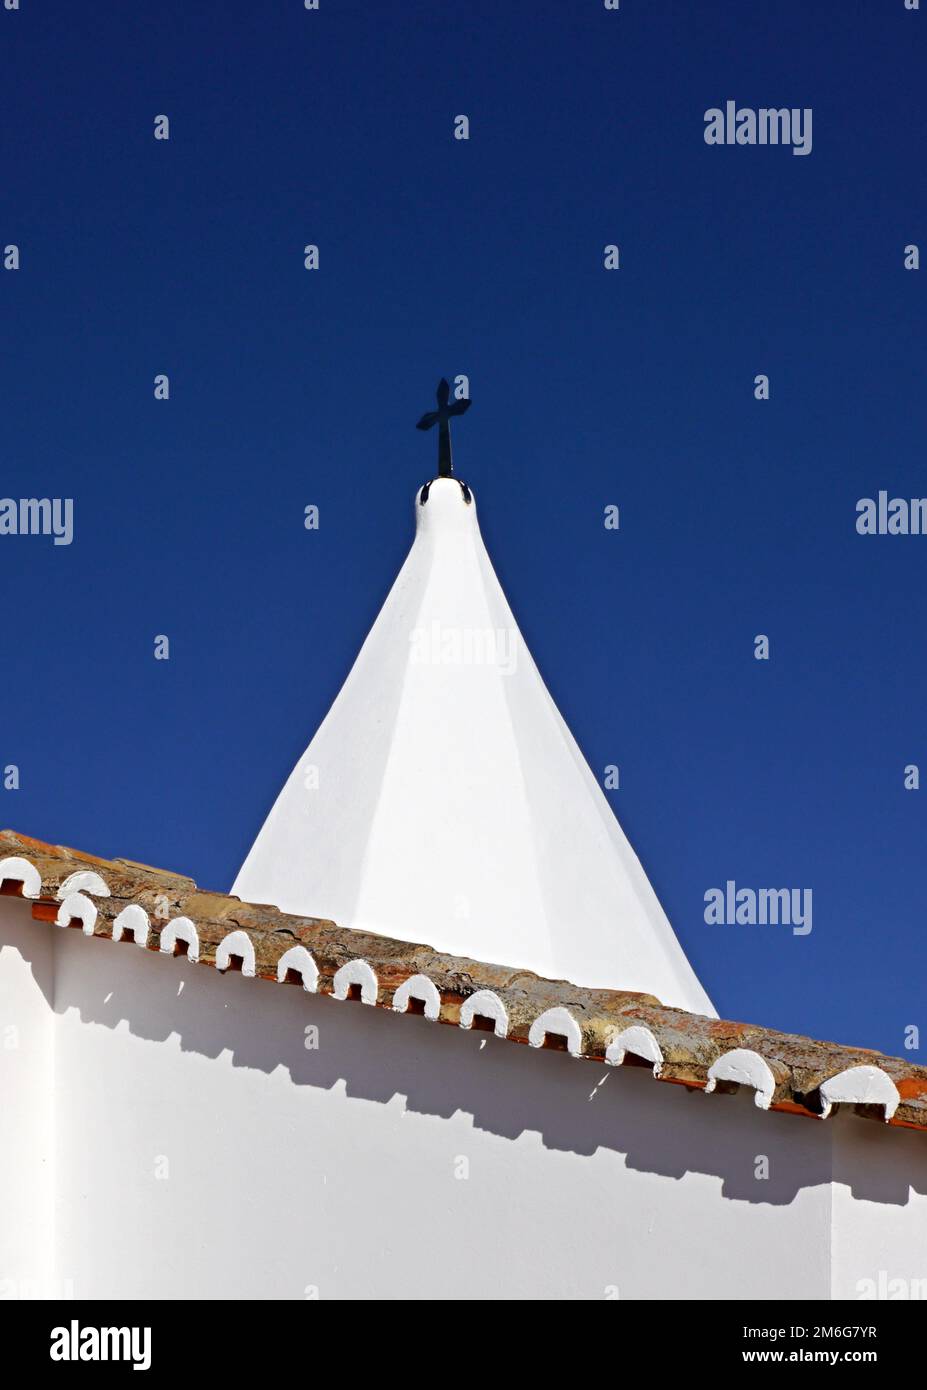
column 634, row 387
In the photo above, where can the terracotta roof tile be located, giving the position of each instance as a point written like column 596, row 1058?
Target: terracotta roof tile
column 689, row 1044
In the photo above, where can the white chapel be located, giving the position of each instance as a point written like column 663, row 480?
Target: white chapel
column 439, row 1042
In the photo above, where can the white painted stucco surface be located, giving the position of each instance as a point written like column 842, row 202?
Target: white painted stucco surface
column 27, row 1097
column 339, row 1170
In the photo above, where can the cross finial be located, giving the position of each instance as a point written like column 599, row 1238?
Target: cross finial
column 442, row 418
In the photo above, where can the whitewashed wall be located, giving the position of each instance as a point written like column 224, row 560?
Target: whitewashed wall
column 27, row 1088
column 880, row 1211
column 200, row 1149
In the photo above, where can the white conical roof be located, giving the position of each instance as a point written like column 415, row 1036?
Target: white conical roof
column 444, row 800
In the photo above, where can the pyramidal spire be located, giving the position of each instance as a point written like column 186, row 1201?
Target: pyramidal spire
column 443, row 800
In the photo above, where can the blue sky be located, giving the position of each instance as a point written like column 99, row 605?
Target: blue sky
column 632, row 387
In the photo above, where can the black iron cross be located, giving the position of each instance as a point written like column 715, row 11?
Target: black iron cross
column 442, row 418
